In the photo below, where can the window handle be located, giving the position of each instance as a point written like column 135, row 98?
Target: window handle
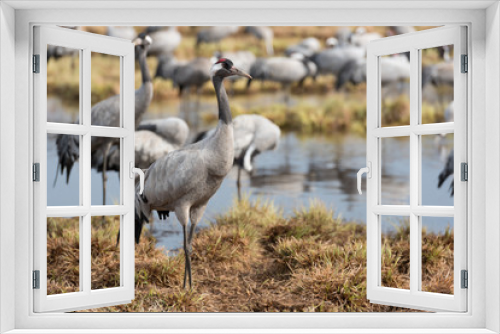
column 139, row 171
column 368, row 171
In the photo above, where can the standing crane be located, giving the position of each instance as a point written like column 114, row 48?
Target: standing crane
column 184, row 180
column 107, row 113
column 283, row 70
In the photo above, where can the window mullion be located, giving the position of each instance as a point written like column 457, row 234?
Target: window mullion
column 414, row 170
column 85, row 160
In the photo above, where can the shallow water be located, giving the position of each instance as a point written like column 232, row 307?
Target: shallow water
column 300, row 170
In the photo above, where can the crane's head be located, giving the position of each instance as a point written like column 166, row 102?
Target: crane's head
column 143, row 40
column 224, row 68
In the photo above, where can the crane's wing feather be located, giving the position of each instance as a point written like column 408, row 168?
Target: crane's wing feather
column 107, row 112
column 173, row 176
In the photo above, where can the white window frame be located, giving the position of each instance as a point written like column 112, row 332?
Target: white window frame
column 85, row 43
column 483, row 21
column 414, row 297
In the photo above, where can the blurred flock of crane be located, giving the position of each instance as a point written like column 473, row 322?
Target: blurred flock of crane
column 182, row 179
column 343, row 57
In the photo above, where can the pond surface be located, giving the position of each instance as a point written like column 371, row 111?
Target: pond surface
column 300, row 170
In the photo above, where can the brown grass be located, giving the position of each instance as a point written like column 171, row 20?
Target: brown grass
column 254, row 260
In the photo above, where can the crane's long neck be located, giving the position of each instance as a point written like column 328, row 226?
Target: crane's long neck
column 144, row 94
column 146, row 76
column 222, row 101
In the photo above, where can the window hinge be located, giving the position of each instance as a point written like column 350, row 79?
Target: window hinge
column 465, row 279
column 465, row 64
column 36, row 172
column 36, row 63
column 464, row 171
column 36, row 279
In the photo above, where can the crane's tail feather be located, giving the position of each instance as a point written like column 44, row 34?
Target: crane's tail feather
column 442, row 177
column 68, row 152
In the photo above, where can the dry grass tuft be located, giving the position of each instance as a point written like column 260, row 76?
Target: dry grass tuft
column 253, row 260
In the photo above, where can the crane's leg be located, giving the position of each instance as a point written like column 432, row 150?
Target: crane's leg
column 238, row 183
column 182, row 214
column 104, row 168
column 195, row 217
column 288, row 92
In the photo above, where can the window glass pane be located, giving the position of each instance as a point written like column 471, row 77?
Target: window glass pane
column 63, row 170
column 437, row 254
column 395, row 169
column 109, row 172
column 63, row 84
column 395, row 92
column 437, row 170
column 105, row 90
column 395, row 242
column 63, row 255
column 437, row 84
column 105, row 252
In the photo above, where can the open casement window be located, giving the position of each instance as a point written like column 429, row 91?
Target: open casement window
column 76, row 214
column 409, row 208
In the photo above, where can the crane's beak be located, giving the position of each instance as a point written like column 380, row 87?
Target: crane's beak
column 239, row 72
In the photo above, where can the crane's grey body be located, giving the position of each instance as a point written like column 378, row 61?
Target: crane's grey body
column 193, row 74
column 306, row 47
column 149, row 147
column 331, row 61
column 165, row 41
column 153, row 140
column 184, row 180
column 174, row 130
column 214, row 34
column 264, row 34
column 167, row 64
column 252, row 135
column 392, row 70
column 282, row 70
column 191, row 175
column 121, row 32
